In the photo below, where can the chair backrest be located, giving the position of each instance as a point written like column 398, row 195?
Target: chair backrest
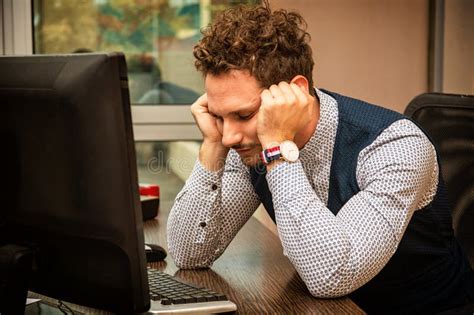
column 449, row 121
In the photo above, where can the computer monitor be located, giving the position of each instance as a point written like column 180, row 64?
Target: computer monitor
column 71, row 180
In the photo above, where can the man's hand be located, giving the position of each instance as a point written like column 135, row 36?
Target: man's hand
column 205, row 121
column 285, row 110
column 212, row 154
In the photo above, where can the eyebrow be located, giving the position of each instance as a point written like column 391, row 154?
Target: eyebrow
column 253, row 102
column 250, row 107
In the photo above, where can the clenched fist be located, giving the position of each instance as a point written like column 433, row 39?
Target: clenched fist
column 205, row 121
column 286, row 108
column 212, row 153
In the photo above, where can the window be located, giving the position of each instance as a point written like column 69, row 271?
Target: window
column 157, row 37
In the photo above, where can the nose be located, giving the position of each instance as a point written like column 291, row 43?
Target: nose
column 231, row 134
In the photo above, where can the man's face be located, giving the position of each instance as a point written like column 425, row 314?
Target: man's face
column 234, row 99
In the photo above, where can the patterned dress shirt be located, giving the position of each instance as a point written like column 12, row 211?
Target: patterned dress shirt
column 334, row 254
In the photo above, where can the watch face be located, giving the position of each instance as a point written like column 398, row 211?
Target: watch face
column 289, row 151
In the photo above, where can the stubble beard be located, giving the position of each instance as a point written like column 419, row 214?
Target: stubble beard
column 252, row 158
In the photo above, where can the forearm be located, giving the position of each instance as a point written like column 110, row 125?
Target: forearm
column 208, row 213
column 313, row 238
column 334, row 255
column 193, row 222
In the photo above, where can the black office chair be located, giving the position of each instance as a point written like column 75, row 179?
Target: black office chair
column 449, row 120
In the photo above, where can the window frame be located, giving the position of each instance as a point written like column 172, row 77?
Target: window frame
column 155, row 122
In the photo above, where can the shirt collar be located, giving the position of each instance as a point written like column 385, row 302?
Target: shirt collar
column 319, row 147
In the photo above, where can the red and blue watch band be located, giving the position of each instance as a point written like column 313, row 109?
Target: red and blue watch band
column 270, row 154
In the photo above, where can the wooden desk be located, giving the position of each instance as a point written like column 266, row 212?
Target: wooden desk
column 252, row 272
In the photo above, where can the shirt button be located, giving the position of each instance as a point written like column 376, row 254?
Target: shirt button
column 214, row 186
column 202, row 224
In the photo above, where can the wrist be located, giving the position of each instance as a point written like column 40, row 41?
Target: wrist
column 273, row 164
column 268, row 142
column 212, row 155
column 286, row 150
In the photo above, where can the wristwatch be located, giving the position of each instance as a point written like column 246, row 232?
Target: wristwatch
column 287, row 150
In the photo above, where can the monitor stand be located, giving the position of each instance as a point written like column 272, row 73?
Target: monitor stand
column 16, row 263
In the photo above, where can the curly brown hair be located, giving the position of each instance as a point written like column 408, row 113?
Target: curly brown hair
column 272, row 46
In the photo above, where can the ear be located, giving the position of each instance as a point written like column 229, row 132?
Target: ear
column 302, row 82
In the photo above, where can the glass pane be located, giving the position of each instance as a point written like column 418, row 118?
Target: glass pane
column 157, row 37
column 167, row 164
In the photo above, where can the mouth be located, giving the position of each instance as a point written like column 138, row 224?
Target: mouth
column 243, row 150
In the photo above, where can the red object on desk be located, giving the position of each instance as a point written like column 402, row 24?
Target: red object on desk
column 149, row 190
column 150, row 200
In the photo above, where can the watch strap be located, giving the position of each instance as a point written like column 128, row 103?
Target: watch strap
column 270, row 154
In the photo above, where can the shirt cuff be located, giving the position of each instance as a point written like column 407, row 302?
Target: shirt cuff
column 203, row 181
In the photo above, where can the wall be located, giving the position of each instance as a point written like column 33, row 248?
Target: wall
column 458, row 62
column 376, row 50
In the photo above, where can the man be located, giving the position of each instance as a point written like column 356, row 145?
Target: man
column 354, row 189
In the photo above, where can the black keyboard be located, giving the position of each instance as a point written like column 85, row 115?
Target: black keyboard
column 170, row 290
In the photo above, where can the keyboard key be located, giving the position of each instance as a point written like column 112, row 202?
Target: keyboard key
column 178, row 300
column 199, row 298
column 221, row 297
column 166, row 301
column 189, row 299
column 210, row 298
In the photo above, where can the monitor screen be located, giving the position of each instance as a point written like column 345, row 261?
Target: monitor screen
column 70, row 178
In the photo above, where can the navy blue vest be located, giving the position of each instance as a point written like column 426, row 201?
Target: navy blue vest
column 428, row 272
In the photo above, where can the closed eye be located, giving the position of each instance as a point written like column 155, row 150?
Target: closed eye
column 246, row 117
column 215, row 116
